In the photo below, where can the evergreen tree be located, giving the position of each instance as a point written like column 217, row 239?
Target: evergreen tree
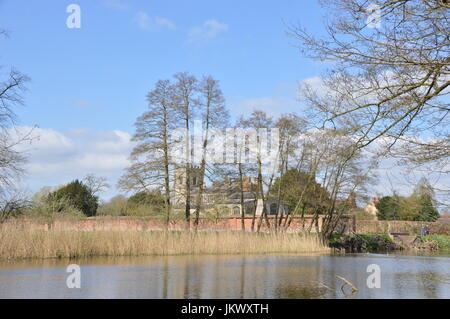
column 77, row 195
column 296, row 185
column 388, row 208
column 425, row 194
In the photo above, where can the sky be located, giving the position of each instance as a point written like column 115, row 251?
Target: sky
column 88, row 85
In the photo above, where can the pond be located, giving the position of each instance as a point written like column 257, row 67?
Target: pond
column 268, row 276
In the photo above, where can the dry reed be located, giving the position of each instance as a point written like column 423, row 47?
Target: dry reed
column 18, row 243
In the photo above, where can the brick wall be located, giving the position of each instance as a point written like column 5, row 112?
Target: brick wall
column 136, row 223
column 410, row 227
column 146, row 223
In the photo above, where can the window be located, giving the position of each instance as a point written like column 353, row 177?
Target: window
column 273, row 209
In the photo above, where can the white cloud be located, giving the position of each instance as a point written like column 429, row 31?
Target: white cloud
column 282, row 100
column 145, row 22
column 314, row 84
column 209, row 30
column 165, row 23
column 56, row 157
column 272, row 105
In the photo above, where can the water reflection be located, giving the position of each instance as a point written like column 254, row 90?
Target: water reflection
column 250, row 277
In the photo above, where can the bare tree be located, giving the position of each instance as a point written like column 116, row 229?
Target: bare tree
column 96, row 184
column 214, row 116
column 13, row 206
column 291, row 126
column 389, row 80
column 186, row 88
column 12, row 87
column 259, row 120
column 152, row 163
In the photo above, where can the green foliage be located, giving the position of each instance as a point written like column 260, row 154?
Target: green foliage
column 417, row 207
column 424, row 195
column 141, row 204
column 146, row 204
column 153, row 199
column 75, row 195
column 388, row 208
column 361, row 214
column 117, row 206
column 362, row 242
column 44, row 210
column 296, row 185
column 443, row 241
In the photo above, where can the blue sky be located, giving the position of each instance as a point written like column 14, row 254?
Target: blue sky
column 105, row 68
column 88, row 85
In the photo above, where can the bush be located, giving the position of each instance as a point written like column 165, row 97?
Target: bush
column 117, row 206
column 362, row 242
column 43, row 212
column 146, row 204
column 388, row 208
column 153, row 198
column 73, row 195
column 420, row 206
column 12, row 207
column 442, row 241
column 412, row 208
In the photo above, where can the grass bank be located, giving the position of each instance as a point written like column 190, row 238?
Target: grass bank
column 439, row 242
column 19, row 243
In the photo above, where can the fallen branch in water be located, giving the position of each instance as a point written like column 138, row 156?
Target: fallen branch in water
column 348, row 283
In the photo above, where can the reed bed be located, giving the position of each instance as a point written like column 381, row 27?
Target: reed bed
column 16, row 243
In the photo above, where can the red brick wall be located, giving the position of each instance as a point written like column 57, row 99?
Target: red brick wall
column 136, row 223
column 141, row 224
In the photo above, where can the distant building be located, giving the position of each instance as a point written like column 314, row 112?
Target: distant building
column 224, row 196
column 372, row 209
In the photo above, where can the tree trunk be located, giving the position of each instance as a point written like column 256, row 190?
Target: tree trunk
column 241, row 182
column 188, row 177
column 166, row 177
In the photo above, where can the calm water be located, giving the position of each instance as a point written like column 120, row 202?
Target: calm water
column 230, row 277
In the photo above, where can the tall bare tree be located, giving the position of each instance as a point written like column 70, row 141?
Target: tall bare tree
column 291, row 126
column 389, row 74
column 259, row 120
column 12, row 88
column 152, row 155
column 186, row 88
column 214, row 115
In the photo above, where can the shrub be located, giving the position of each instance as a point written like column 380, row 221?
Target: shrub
column 362, row 242
column 145, row 204
column 44, row 210
column 442, row 241
column 388, row 208
column 153, row 198
column 117, row 206
column 75, row 195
